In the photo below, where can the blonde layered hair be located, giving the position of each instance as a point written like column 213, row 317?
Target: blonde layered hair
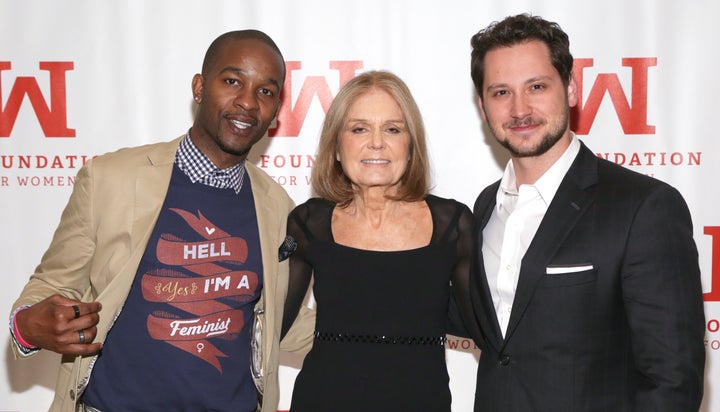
column 328, row 178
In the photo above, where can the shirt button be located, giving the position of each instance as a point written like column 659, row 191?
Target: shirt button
column 505, row 360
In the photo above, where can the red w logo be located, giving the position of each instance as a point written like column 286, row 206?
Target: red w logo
column 632, row 114
column 290, row 119
column 53, row 117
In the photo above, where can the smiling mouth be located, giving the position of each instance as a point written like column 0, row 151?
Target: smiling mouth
column 240, row 125
column 375, row 161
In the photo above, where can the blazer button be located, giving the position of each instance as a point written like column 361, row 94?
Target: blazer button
column 72, row 394
column 505, row 360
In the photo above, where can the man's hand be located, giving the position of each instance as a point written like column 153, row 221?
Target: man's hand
column 62, row 325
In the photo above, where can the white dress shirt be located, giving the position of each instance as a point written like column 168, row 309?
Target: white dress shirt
column 512, row 226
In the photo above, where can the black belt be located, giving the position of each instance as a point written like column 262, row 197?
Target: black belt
column 392, row 340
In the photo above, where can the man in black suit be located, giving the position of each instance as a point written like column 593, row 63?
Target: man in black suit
column 587, row 288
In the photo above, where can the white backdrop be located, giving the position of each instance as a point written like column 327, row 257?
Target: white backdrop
column 84, row 77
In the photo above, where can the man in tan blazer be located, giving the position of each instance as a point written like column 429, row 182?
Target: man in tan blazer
column 107, row 293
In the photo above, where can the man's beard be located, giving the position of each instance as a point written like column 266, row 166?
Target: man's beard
column 547, row 142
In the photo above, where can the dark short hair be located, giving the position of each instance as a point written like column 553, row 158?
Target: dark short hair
column 520, row 29
column 250, row 34
column 328, row 179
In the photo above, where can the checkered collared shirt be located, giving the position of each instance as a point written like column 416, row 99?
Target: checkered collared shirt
column 199, row 168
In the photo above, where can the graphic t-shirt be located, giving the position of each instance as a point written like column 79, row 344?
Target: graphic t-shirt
column 182, row 339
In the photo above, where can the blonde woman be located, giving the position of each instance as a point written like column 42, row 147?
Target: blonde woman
column 382, row 252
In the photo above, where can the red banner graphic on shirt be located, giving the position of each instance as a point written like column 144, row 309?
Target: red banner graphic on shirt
column 199, row 295
column 177, row 252
column 201, row 225
column 191, row 335
column 160, row 288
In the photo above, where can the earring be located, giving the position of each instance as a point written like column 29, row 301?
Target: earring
column 197, row 98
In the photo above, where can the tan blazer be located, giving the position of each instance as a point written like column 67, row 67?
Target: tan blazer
column 102, row 235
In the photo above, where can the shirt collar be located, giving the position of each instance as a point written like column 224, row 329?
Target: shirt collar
column 548, row 184
column 199, row 168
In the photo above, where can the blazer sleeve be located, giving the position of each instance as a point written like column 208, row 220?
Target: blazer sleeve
column 65, row 266
column 662, row 294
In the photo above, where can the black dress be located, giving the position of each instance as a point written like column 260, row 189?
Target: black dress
column 381, row 316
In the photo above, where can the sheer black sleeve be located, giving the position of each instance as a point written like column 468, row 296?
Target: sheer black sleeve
column 300, row 269
column 308, row 221
column 455, row 224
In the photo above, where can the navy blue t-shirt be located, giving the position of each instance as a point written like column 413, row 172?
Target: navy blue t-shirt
column 182, row 339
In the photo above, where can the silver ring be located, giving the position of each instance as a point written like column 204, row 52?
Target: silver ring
column 76, row 308
column 82, row 336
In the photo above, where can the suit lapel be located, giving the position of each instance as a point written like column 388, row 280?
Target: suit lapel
column 575, row 194
column 266, row 209
column 151, row 186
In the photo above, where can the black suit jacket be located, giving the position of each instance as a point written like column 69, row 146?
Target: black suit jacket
column 626, row 335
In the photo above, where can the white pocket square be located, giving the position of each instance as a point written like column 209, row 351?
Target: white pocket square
column 560, row 270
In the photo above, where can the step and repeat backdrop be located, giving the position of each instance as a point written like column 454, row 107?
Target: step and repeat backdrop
column 84, row 77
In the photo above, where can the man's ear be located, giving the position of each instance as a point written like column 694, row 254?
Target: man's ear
column 482, row 109
column 198, row 82
column 572, row 93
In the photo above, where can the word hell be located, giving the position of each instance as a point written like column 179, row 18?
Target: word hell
column 52, row 117
column 204, row 250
